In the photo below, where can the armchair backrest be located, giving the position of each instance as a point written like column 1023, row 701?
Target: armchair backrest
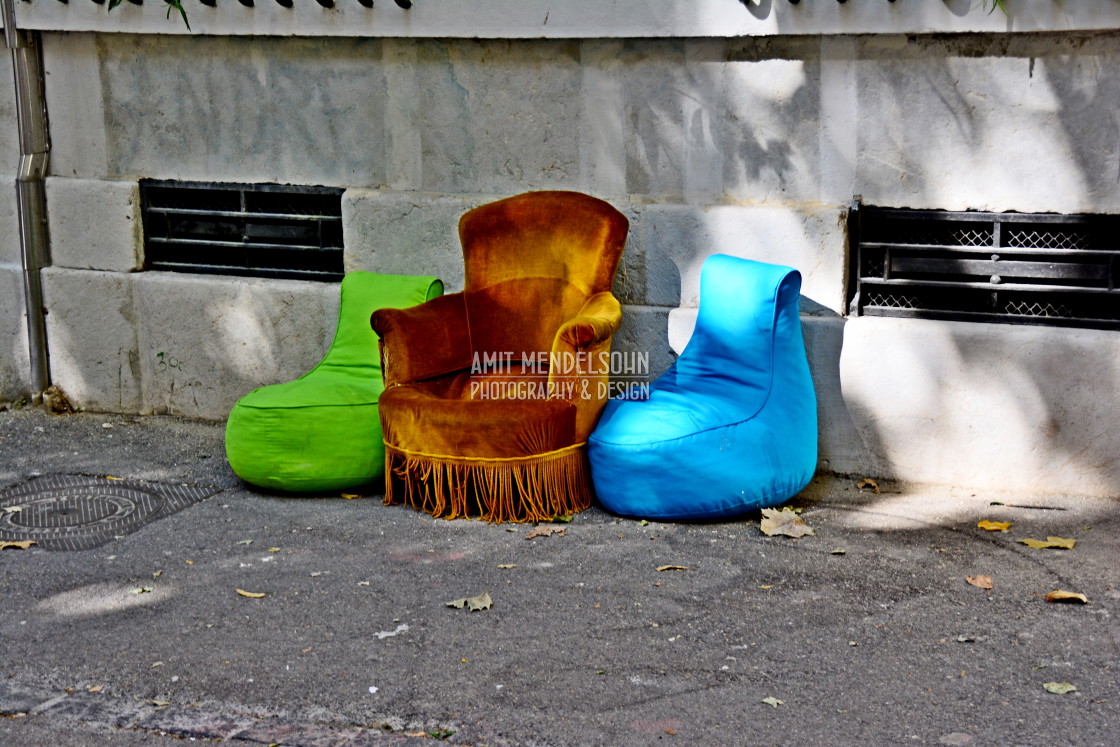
column 564, row 235
column 531, row 261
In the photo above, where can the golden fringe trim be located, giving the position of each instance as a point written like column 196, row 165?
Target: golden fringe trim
column 520, row 489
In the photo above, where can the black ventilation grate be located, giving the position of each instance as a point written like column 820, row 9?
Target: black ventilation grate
column 258, row 230
column 994, row 267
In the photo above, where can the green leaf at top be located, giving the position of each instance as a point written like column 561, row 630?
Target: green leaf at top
column 177, row 5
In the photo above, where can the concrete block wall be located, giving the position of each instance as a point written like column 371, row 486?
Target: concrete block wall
column 751, row 146
column 179, row 344
column 15, row 371
column 15, row 377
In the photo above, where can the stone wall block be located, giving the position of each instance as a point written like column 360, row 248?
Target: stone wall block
column 769, row 105
column 701, row 120
column 9, row 164
column 10, row 250
column 75, row 105
column 842, row 446
column 95, row 224
column 207, row 341
column 405, row 234
column 643, row 332
column 647, row 274
column 988, row 406
column 497, row 117
column 1015, row 124
column 288, row 110
column 9, row 134
column 650, row 77
column 15, row 366
column 812, row 241
column 92, row 334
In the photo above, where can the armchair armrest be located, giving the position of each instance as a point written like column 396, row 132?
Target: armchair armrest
column 595, row 323
column 423, row 341
column 580, row 374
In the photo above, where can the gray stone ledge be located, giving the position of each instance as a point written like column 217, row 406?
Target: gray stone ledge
column 575, row 18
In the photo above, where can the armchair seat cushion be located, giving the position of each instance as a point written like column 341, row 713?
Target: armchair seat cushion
column 441, row 417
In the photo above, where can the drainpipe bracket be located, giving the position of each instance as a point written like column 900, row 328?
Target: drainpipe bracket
column 33, row 167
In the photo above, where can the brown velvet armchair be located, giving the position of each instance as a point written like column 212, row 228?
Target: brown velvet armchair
column 491, row 393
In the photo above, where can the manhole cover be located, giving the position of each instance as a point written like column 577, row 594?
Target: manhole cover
column 65, row 512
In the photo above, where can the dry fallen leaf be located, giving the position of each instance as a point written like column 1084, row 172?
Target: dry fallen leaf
column 867, row 482
column 980, row 582
column 545, row 532
column 96, row 688
column 1060, row 543
column 672, row 567
column 351, row 496
column 21, row 545
column 507, row 565
column 1059, row 688
column 250, row 594
column 785, row 522
column 1066, row 596
column 480, row 602
column 994, row 526
column 773, row 702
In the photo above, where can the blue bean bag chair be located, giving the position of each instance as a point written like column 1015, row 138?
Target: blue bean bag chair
column 732, row 425
column 322, row 432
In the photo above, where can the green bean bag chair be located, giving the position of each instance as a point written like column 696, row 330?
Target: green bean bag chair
column 322, row 432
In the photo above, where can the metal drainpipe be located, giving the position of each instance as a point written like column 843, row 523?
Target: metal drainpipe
column 34, row 150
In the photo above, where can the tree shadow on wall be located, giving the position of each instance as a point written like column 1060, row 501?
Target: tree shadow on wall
column 1047, row 142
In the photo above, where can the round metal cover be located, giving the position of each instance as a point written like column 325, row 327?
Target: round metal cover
column 65, row 512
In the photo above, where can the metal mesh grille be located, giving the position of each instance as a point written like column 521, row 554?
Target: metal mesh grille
column 1026, row 308
column 892, row 301
column 237, row 229
column 1043, row 238
column 1002, row 267
column 947, row 233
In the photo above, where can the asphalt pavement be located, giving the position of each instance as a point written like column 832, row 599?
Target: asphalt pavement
column 247, row 617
